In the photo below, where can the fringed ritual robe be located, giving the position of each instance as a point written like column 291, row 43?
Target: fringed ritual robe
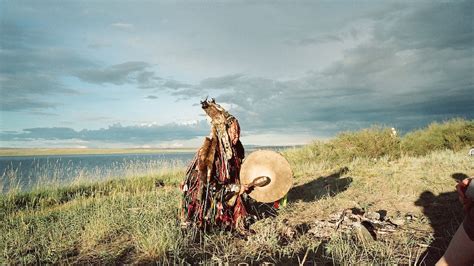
column 211, row 188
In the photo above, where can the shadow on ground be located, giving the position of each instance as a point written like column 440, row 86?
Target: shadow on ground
column 325, row 185
column 445, row 214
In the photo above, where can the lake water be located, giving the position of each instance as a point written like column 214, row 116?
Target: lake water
column 27, row 172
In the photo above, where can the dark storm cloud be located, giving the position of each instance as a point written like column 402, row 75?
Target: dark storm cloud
column 441, row 25
column 318, row 39
column 151, row 97
column 20, row 103
column 189, row 93
column 147, row 79
column 174, row 85
column 21, row 92
column 299, row 105
column 220, row 82
column 404, row 66
column 30, row 69
column 417, row 68
column 137, row 73
column 128, row 72
column 114, row 133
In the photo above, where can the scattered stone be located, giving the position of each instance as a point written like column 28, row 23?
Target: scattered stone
column 372, row 215
column 322, row 229
column 362, row 233
column 365, row 226
column 335, row 217
column 357, row 211
column 353, row 218
column 397, row 221
column 410, row 217
column 383, row 214
column 371, row 228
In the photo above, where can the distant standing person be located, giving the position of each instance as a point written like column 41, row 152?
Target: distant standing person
column 461, row 248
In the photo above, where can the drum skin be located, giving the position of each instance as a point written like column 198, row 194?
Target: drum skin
column 270, row 164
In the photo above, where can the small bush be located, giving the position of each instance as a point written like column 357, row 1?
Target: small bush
column 375, row 142
column 454, row 135
column 372, row 143
column 378, row 142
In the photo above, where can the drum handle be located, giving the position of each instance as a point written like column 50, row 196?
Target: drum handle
column 260, row 181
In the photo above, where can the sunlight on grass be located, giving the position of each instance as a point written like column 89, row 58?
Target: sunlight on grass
column 133, row 217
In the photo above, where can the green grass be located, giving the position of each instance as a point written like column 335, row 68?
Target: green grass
column 44, row 197
column 378, row 142
column 95, row 230
column 454, row 135
column 132, row 220
column 99, row 222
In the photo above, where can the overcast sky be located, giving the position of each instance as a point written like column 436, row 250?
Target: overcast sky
column 132, row 73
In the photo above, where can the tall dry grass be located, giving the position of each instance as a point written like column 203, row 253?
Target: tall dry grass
column 454, row 135
column 58, row 172
column 377, row 142
column 135, row 219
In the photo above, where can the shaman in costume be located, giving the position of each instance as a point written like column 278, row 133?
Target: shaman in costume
column 215, row 182
column 211, row 189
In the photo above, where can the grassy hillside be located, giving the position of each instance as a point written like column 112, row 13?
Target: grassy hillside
column 409, row 179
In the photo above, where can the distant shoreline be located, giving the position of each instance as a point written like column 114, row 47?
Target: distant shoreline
column 4, row 152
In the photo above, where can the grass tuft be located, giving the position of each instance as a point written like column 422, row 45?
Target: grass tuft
column 453, row 135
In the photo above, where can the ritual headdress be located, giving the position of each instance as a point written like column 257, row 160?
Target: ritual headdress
column 265, row 163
